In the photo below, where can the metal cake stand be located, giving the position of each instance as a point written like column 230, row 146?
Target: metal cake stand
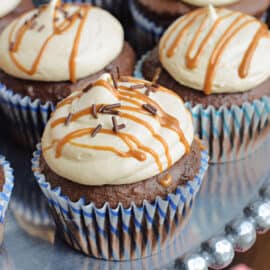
column 232, row 206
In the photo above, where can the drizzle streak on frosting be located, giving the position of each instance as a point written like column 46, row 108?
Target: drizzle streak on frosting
column 136, row 98
column 236, row 26
column 15, row 39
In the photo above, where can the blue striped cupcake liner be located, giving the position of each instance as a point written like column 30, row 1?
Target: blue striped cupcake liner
column 120, row 233
column 229, row 133
column 26, row 119
column 146, row 33
column 5, row 194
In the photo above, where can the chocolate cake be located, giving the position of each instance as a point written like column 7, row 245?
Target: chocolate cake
column 164, row 12
column 152, row 64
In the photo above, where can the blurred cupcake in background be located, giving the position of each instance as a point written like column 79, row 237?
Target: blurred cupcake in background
column 117, row 7
column 11, row 9
column 6, row 187
column 120, row 166
column 152, row 17
column 50, row 52
column 218, row 61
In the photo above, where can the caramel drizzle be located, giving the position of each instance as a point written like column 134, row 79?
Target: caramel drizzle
column 166, row 181
column 126, row 138
column 232, row 30
column 134, row 97
column 58, row 30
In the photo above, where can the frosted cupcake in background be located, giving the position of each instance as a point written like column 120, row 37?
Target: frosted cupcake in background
column 218, row 61
column 48, row 53
column 120, row 166
column 152, row 17
column 6, row 187
column 117, row 7
column 11, row 9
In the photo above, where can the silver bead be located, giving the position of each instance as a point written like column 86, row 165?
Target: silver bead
column 222, row 252
column 260, row 212
column 243, row 235
column 193, row 262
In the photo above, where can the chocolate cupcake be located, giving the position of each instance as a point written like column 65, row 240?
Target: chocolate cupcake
column 120, row 167
column 218, row 63
column 152, row 17
column 6, row 186
column 12, row 9
column 50, row 52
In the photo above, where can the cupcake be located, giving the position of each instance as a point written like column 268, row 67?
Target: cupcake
column 117, row 7
column 120, row 166
column 11, row 9
column 6, row 186
column 218, row 63
column 50, row 52
column 152, row 17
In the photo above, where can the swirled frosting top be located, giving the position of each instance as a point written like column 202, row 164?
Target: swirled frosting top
column 60, row 42
column 117, row 131
column 217, row 51
column 7, row 6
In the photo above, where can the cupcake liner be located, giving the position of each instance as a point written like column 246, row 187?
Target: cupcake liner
column 120, row 233
column 5, row 194
column 229, row 133
column 146, row 33
column 26, row 118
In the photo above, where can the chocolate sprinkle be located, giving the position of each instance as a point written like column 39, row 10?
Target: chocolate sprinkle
column 137, row 86
column 41, row 28
column 94, row 111
column 155, row 85
column 96, row 130
column 118, row 72
column 115, row 125
column 114, row 80
column 87, row 88
column 112, row 106
column 68, row 119
column 100, row 109
column 122, row 126
column 150, row 88
column 110, row 112
column 150, row 108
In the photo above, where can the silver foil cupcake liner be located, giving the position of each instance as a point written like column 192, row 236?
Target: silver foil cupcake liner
column 229, row 133
column 26, row 119
column 120, row 233
column 146, row 33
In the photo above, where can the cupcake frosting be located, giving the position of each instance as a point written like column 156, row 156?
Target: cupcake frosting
column 7, row 6
column 117, row 132
column 217, row 51
column 201, row 3
column 60, row 42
